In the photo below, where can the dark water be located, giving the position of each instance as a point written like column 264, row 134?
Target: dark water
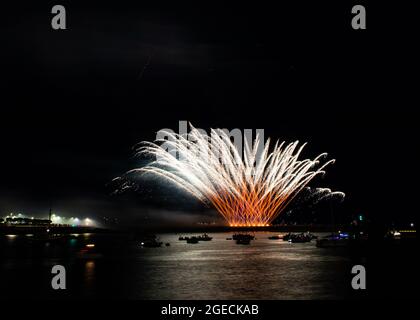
column 218, row 269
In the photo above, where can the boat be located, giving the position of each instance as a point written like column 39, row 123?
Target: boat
column 286, row 237
column 300, row 238
column 333, row 241
column 153, row 243
column 204, row 237
column 192, row 240
column 312, row 236
column 241, row 236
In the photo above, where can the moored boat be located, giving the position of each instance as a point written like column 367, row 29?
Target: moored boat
column 300, row 238
column 153, row 243
column 276, row 237
column 333, row 241
column 241, row 236
column 192, row 240
column 204, row 237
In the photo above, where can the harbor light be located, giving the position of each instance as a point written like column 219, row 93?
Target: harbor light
column 55, row 219
column 74, row 222
column 88, row 222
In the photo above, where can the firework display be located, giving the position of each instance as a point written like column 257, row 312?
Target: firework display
column 249, row 189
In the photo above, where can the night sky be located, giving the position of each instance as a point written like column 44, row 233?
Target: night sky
column 74, row 102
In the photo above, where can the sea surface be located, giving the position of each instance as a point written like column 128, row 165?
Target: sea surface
column 118, row 267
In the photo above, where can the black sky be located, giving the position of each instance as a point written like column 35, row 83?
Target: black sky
column 74, row 102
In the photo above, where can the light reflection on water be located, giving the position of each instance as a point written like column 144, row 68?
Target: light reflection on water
column 221, row 269
column 217, row 269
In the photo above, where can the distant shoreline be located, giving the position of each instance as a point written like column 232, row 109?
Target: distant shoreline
column 275, row 228
column 30, row 229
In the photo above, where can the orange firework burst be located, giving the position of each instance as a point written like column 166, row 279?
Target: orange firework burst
column 247, row 191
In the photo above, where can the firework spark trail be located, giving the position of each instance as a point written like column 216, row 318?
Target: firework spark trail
column 251, row 191
column 319, row 194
